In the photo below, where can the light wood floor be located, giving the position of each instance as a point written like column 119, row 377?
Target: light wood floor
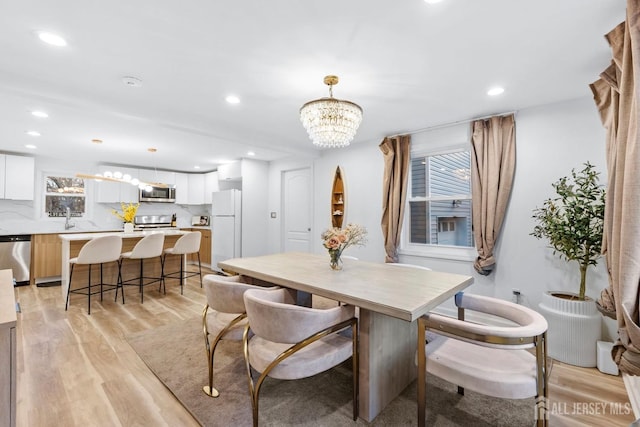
column 78, row 370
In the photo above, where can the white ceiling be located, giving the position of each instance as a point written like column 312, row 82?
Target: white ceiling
column 409, row 65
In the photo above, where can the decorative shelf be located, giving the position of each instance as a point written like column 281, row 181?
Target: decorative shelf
column 338, row 199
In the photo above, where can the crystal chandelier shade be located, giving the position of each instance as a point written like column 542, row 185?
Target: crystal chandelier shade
column 331, row 122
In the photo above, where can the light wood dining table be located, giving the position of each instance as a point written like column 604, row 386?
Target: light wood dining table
column 390, row 300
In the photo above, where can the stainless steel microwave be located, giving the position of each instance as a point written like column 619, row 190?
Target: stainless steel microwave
column 158, row 194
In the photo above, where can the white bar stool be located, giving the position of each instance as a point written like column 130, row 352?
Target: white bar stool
column 100, row 250
column 189, row 243
column 150, row 246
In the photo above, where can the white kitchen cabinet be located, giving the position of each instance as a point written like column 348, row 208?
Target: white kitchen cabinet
column 182, row 188
column 153, row 176
column 18, row 177
column 210, row 185
column 230, row 171
column 116, row 192
column 196, row 189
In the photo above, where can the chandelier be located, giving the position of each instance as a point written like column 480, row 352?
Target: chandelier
column 331, row 122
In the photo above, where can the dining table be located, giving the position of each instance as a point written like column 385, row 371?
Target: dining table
column 390, row 300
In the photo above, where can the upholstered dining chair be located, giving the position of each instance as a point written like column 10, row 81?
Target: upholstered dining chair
column 488, row 359
column 150, row 246
column 400, row 264
column 188, row 243
column 101, row 250
column 292, row 342
column 224, row 315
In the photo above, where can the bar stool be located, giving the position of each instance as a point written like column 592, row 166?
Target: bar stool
column 188, row 243
column 150, row 246
column 100, row 250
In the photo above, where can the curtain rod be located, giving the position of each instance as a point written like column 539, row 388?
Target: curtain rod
column 444, row 125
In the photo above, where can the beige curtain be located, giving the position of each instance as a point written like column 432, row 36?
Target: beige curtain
column 396, row 152
column 493, row 161
column 616, row 96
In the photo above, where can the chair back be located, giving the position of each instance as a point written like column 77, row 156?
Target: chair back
column 399, row 264
column 273, row 316
column 101, row 249
column 188, row 244
column 225, row 293
column 149, row 246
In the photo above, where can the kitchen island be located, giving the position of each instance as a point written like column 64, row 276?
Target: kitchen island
column 72, row 243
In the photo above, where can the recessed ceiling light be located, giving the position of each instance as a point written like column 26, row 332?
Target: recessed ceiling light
column 251, row 153
column 52, row 39
column 31, row 146
column 32, row 133
column 232, row 99
column 40, row 114
column 132, row 81
column 495, row 91
column 432, row 1
column 196, row 167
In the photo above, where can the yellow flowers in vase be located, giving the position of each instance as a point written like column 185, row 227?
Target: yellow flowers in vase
column 128, row 212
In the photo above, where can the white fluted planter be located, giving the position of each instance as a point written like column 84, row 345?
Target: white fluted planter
column 574, row 329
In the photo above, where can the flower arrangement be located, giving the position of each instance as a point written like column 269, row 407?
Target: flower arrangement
column 336, row 240
column 128, row 211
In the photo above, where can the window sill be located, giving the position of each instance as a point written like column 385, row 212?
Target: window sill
column 441, row 252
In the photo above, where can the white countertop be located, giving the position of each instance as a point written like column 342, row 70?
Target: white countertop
column 135, row 234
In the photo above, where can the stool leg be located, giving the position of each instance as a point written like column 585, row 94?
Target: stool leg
column 89, row 292
column 200, row 269
column 162, row 281
column 66, row 306
column 101, row 282
column 183, row 259
column 141, row 281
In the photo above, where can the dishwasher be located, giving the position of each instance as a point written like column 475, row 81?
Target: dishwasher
column 15, row 253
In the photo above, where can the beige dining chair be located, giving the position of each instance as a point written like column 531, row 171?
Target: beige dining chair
column 485, row 358
column 224, row 315
column 188, row 243
column 291, row 342
column 400, row 264
column 150, row 246
column 100, row 250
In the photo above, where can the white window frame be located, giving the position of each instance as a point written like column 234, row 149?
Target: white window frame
column 456, row 253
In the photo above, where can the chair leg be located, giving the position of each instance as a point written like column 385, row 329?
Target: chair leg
column 163, row 284
column 119, row 283
column 66, row 306
column 141, row 281
column 183, row 259
column 254, row 389
column 199, row 269
column 89, row 292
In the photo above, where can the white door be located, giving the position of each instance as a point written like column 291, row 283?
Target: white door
column 296, row 210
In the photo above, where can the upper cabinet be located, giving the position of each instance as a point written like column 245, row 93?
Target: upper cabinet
column 182, row 188
column 17, row 177
column 210, row 185
column 230, row 171
column 153, row 176
column 116, row 192
column 196, row 188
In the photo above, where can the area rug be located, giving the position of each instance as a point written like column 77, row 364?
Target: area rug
column 176, row 355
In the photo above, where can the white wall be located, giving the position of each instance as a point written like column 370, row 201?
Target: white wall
column 550, row 141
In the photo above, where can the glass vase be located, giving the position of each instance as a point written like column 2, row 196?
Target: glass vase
column 128, row 227
column 335, row 262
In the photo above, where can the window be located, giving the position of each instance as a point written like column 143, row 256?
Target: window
column 440, row 200
column 62, row 193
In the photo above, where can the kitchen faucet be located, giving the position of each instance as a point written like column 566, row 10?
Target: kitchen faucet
column 68, row 224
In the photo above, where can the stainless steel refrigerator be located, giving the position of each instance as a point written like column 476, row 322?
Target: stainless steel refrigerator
column 226, row 226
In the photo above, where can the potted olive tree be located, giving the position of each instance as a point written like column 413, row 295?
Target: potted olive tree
column 572, row 223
